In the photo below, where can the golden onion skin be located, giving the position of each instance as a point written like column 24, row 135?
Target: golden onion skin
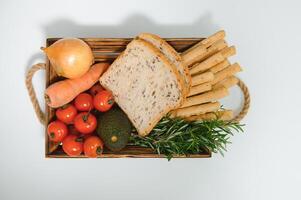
column 70, row 57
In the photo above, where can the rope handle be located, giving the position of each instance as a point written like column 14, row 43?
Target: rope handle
column 28, row 81
column 247, row 100
column 42, row 117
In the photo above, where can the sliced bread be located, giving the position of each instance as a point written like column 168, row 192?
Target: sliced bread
column 144, row 84
column 172, row 55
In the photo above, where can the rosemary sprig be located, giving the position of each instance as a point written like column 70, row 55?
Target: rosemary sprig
column 175, row 136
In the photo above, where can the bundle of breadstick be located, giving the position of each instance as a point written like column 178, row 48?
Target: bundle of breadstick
column 212, row 75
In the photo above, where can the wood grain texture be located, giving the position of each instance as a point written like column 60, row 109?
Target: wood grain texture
column 106, row 50
column 128, row 152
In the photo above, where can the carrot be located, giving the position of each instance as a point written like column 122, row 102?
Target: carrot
column 62, row 92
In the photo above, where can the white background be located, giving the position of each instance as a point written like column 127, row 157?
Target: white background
column 262, row 163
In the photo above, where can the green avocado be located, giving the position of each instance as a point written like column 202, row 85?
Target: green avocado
column 114, row 128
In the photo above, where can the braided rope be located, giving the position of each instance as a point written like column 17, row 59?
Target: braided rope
column 247, row 100
column 31, row 92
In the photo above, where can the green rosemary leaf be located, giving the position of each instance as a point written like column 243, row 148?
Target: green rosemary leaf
column 174, row 136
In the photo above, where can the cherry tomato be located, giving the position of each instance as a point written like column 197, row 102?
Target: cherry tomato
column 57, row 131
column 66, row 113
column 84, row 102
column 95, row 89
column 93, row 146
column 85, row 122
column 72, row 131
column 73, row 145
column 103, row 101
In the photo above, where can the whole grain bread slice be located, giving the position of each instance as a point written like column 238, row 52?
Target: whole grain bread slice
column 172, row 55
column 144, row 84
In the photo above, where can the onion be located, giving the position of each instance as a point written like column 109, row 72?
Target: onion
column 70, row 57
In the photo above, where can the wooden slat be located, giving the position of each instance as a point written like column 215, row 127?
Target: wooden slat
column 128, row 152
column 106, row 50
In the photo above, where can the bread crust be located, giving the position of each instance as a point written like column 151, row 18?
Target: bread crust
column 167, row 63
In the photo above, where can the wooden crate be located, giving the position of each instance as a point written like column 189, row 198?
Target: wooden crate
column 106, row 50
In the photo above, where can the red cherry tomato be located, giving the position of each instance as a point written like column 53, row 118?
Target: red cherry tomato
column 85, row 122
column 73, row 131
column 57, row 131
column 66, row 113
column 95, row 89
column 93, row 146
column 84, row 102
column 73, row 145
column 103, row 101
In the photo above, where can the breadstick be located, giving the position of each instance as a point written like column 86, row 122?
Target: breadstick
column 228, row 51
column 200, row 53
column 206, row 97
column 195, row 110
column 213, row 60
column 213, row 38
column 208, row 41
column 194, row 55
column 202, row 78
column 225, row 73
column 206, row 64
column 222, row 115
column 227, row 83
column 220, row 66
column 226, row 115
column 199, row 89
column 216, row 47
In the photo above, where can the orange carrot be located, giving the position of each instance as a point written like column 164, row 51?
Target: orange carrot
column 62, row 92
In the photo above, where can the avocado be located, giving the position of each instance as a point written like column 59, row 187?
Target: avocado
column 114, row 128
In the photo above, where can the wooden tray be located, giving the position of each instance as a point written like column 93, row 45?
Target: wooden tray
column 106, row 50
